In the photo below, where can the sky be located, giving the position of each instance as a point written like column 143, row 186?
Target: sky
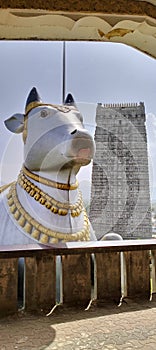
column 95, row 72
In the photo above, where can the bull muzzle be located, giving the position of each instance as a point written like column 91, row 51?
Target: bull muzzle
column 82, row 147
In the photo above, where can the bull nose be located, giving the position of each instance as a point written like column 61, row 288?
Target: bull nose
column 82, row 133
column 81, row 139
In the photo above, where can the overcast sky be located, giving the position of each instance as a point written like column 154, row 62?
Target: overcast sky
column 95, row 72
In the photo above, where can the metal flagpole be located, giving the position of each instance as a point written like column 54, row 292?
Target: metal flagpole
column 64, row 72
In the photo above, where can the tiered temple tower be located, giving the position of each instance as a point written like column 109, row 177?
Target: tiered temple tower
column 120, row 196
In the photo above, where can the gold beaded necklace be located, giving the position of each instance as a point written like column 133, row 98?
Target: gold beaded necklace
column 49, row 202
column 48, row 182
column 37, row 230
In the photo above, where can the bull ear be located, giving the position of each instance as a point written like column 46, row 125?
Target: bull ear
column 70, row 100
column 15, row 123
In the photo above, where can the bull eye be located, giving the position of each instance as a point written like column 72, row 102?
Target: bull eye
column 44, row 113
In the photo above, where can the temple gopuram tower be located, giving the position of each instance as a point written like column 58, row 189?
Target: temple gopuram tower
column 120, row 196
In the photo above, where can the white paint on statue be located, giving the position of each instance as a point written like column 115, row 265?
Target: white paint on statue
column 56, row 145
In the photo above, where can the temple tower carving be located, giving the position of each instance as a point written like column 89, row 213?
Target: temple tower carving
column 120, row 196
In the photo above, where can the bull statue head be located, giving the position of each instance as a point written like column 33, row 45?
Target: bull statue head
column 54, row 136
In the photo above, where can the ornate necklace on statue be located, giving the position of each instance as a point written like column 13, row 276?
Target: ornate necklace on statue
column 37, row 230
column 48, row 182
column 49, row 202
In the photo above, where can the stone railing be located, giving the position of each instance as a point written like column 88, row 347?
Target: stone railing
column 103, row 271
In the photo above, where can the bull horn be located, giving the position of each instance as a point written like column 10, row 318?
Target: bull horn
column 70, row 100
column 33, row 100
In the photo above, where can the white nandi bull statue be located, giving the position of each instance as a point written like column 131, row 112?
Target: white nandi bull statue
column 45, row 203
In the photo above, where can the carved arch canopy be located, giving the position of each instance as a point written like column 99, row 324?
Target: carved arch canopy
column 132, row 22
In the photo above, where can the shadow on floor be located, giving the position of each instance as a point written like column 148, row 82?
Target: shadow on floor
column 63, row 313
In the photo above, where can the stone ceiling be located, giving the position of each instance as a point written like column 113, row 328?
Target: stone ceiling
column 132, row 22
